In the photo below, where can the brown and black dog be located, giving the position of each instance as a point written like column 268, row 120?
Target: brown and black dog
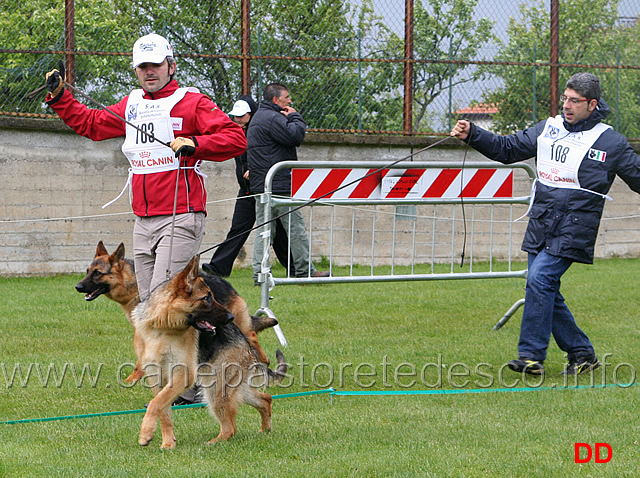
column 189, row 336
column 114, row 276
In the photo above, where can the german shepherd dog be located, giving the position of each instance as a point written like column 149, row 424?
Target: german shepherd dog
column 114, row 276
column 189, row 336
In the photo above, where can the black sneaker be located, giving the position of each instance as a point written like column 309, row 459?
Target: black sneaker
column 578, row 365
column 527, row 365
column 189, row 397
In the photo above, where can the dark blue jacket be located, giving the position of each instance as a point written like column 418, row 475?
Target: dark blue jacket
column 271, row 138
column 564, row 222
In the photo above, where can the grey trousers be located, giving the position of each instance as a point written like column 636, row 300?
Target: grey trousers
column 299, row 242
column 151, row 241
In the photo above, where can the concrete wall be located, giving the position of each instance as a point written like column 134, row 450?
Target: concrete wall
column 54, row 183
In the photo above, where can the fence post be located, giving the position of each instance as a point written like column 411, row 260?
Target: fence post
column 618, row 89
column 259, row 60
column 70, row 41
column 360, row 79
column 450, row 83
column 408, row 67
column 245, row 33
column 555, row 42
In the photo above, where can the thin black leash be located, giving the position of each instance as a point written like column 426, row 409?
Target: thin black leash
column 327, row 194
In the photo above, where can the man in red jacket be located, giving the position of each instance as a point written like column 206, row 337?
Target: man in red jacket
column 182, row 118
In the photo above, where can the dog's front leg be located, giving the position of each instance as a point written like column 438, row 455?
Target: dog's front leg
column 150, row 419
column 138, row 347
column 160, row 408
column 166, row 425
column 135, row 376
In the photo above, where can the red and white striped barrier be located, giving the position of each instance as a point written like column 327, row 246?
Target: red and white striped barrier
column 402, row 183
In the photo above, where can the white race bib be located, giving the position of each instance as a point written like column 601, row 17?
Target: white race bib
column 145, row 152
column 560, row 153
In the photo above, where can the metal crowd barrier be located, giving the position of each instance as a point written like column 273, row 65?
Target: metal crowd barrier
column 414, row 221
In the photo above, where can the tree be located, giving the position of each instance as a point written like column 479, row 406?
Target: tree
column 325, row 92
column 206, row 41
column 443, row 31
column 294, row 45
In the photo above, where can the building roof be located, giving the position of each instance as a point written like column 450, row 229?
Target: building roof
column 479, row 109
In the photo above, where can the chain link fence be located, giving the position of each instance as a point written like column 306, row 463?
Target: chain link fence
column 365, row 66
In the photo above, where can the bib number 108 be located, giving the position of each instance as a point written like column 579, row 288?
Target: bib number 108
column 559, row 153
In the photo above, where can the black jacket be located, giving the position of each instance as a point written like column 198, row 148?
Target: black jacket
column 564, row 222
column 271, row 138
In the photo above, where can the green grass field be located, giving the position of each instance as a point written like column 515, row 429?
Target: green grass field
column 403, row 337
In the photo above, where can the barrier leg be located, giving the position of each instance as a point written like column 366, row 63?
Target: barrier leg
column 267, row 312
column 505, row 318
column 280, row 335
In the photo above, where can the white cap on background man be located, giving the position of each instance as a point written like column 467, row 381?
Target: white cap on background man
column 240, row 108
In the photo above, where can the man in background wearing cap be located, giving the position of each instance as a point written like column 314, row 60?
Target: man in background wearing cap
column 244, row 213
column 195, row 129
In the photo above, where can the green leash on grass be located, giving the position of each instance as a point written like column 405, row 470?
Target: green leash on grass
column 333, row 392
column 143, row 410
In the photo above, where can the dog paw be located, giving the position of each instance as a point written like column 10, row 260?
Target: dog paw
column 219, row 438
column 135, row 376
column 144, row 441
column 168, row 446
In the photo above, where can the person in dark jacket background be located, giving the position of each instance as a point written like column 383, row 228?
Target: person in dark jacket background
column 577, row 160
column 272, row 137
column 244, row 213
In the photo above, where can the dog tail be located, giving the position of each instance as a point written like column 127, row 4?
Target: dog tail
column 258, row 324
column 276, row 376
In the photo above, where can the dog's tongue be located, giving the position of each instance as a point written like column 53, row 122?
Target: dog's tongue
column 204, row 325
column 90, row 295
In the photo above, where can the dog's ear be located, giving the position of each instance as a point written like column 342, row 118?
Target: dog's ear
column 119, row 253
column 100, row 250
column 117, row 256
column 189, row 275
column 193, row 266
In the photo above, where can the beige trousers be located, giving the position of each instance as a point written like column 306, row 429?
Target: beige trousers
column 151, row 244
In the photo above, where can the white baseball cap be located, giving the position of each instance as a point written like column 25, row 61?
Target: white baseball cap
column 240, row 108
column 151, row 48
